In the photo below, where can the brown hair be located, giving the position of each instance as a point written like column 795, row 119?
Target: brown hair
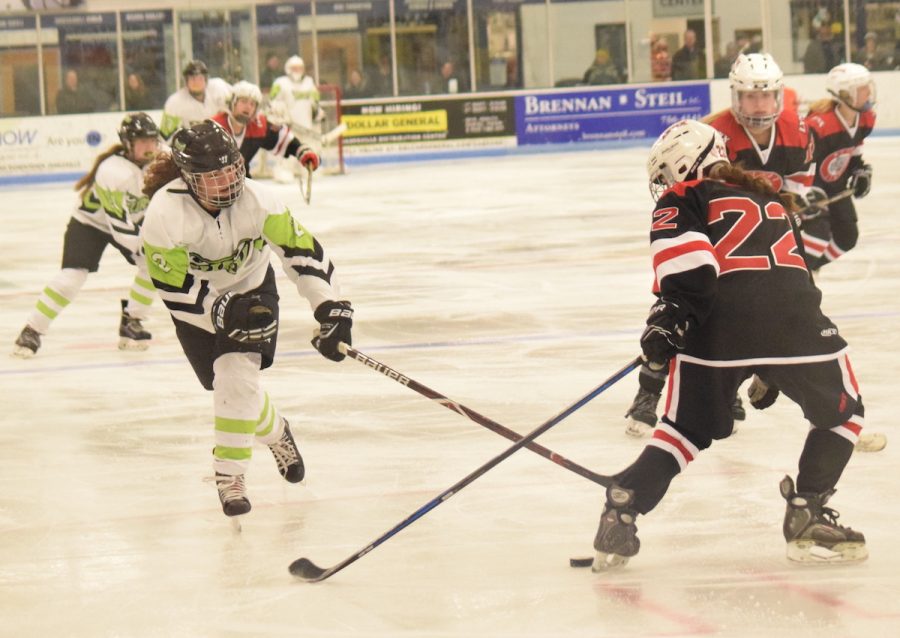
column 160, row 172
column 706, row 119
column 822, row 105
column 86, row 182
column 735, row 175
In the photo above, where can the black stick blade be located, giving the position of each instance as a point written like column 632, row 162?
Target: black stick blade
column 307, row 570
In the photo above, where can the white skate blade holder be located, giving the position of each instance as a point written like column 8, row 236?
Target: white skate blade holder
column 604, row 562
column 809, row 553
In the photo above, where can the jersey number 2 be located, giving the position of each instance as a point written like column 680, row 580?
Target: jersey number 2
column 783, row 252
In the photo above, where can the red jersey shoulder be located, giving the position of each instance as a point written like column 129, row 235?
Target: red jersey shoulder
column 256, row 127
column 792, row 130
column 736, row 139
column 221, row 118
column 681, row 188
column 824, row 124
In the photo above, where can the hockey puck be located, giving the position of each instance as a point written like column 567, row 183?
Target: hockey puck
column 581, row 562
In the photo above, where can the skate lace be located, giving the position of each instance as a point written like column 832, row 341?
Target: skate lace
column 230, row 487
column 831, row 516
column 284, row 453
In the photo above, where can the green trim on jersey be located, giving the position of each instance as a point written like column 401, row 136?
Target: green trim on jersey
column 111, row 200
column 168, row 265
column 170, row 124
column 283, row 230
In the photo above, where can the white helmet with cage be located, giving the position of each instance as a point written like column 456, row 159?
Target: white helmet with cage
column 247, row 90
column 683, row 152
column 844, row 83
column 294, row 68
column 756, row 72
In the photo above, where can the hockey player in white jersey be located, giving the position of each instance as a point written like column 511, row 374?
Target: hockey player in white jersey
column 110, row 211
column 209, row 236
column 294, row 100
column 201, row 97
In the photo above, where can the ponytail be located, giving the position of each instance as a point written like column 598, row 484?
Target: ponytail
column 822, row 105
column 85, row 184
column 160, row 172
column 734, row 175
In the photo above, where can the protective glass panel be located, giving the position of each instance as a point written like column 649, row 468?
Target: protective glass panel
column 80, row 62
column 497, row 34
column 149, row 51
column 19, row 75
column 223, row 39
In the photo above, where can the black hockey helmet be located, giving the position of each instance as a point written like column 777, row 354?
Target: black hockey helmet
column 210, row 164
column 137, row 126
column 195, row 67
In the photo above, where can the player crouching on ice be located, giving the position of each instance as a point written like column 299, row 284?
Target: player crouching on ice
column 110, row 211
column 713, row 329
column 208, row 237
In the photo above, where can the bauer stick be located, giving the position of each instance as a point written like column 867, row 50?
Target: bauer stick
column 307, row 570
column 450, row 404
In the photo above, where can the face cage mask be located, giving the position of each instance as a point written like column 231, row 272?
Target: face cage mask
column 757, row 121
column 217, row 189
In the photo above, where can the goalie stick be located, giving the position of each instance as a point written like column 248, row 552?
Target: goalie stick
column 450, row 404
column 305, row 569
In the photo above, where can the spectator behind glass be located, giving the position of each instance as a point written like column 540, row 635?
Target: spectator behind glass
column 137, row 98
column 272, row 70
column 72, row 98
column 602, row 71
column 870, row 57
column 451, row 81
column 820, row 54
column 381, row 80
column 357, row 86
column 660, row 62
column 688, row 63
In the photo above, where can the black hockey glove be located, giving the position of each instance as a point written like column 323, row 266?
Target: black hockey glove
column 664, row 334
column 336, row 320
column 860, row 181
column 244, row 317
column 814, row 205
column 761, row 394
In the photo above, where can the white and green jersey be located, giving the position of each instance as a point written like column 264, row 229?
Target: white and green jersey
column 301, row 99
column 183, row 110
column 194, row 256
column 115, row 204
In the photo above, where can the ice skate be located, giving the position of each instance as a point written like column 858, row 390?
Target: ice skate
column 642, row 414
column 27, row 343
column 132, row 335
column 870, row 442
column 232, row 494
column 616, row 540
column 287, row 456
column 811, row 530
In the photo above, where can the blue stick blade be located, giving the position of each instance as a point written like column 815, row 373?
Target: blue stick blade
column 306, row 569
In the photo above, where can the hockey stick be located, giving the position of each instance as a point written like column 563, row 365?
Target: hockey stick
column 307, row 570
column 450, row 404
column 306, row 189
column 844, row 194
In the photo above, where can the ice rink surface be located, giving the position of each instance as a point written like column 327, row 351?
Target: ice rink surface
column 514, row 285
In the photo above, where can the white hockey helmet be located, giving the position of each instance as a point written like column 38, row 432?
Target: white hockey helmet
column 683, row 152
column 244, row 89
column 294, row 67
column 844, row 82
column 756, row 72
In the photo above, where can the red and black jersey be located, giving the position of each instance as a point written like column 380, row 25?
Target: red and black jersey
column 785, row 164
column 260, row 133
column 730, row 258
column 838, row 148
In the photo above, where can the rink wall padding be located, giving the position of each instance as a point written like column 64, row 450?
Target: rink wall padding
column 61, row 148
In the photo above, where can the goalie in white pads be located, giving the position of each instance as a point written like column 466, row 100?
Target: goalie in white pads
column 110, row 211
column 209, row 236
column 294, row 101
column 713, row 329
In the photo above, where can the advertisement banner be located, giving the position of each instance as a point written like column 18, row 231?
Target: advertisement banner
column 440, row 122
column 62, row 146
column 607, row 115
